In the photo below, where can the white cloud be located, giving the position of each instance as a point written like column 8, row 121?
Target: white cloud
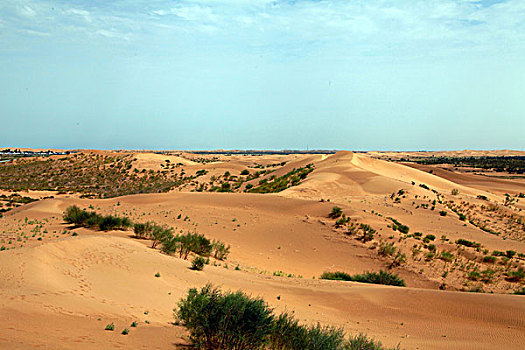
column 395, row 28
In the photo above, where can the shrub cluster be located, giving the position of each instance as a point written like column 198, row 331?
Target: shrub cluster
column 396, row 225
column 235, row 321
column 83, row 218
column 281, row 183
column 381, row 277
column 468, row 243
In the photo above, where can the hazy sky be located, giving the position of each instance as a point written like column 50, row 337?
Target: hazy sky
column 363, row 75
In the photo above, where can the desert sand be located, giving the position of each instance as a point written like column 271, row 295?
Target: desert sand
column 59, row 292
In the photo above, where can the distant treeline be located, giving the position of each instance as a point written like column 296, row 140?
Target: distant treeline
column 510, row 164
column 265, row 152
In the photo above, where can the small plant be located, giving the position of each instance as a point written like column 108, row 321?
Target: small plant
column 125, row 331
column 198, row 263
column 443, row 213
column 110, row 327
column 446, row 256
column 335, row 213
column 133, row 324
column 467, row 243
column 386, row 249
column 157, row 274
column 489, row 259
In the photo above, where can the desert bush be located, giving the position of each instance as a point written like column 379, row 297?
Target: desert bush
column 386, row 249
column 467, row 243
column 170, row 244
column 381, row 277
column 79, row 217
column 519, row 291
column 196, row 243
column 75, row 215
column 245, row 172
column 443, row 213
column 454, row 192
column 143, row 230
column 227, row 320
column 198, row 263
column 489, row 259
column 368, row 232
column 396, row 225
column 510, row 253
column 335, row 213
column 429, row 238
column 446, row 256
column 343, row 220
column 516, row 275
column 110, row 327
column 159, row 234
column 220, row 250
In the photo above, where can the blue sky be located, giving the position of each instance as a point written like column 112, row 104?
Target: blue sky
column 259, row 74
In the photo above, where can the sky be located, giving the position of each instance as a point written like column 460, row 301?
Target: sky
column 261, row 74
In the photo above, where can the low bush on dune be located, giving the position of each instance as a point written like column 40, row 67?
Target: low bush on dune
column 198, row 263
column 83, row 218
column 381, row 277
column 218, row 320
column 142, row 230
column 224, row 320
column 335, row 213
column 519, row 291
column 220, row 250
column 468, row 243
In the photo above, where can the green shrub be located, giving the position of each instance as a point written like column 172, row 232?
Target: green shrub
column 335, row 213
column 170, row 244
column 510, row 253
column 125, row 331
column 489, row 259
column 443, row 213
column 362, row 342
column 79, row 217
column 381, row 277
column 227, row 320
column 159, row 234
column 386, row 249
column 467, row 243
column 446, row 256
column 245, row 172
column 429, row 238
column 110, row 327
column 75, row 215
column 220, row 250
column 198, row 263
column 519, row 291
column 516, row 275
column 143, row 230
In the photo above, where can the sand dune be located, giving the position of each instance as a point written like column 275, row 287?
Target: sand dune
column 351, row 174
column 61, row 291
column 76, row 281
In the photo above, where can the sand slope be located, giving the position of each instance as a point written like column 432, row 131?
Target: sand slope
column 77, row 280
